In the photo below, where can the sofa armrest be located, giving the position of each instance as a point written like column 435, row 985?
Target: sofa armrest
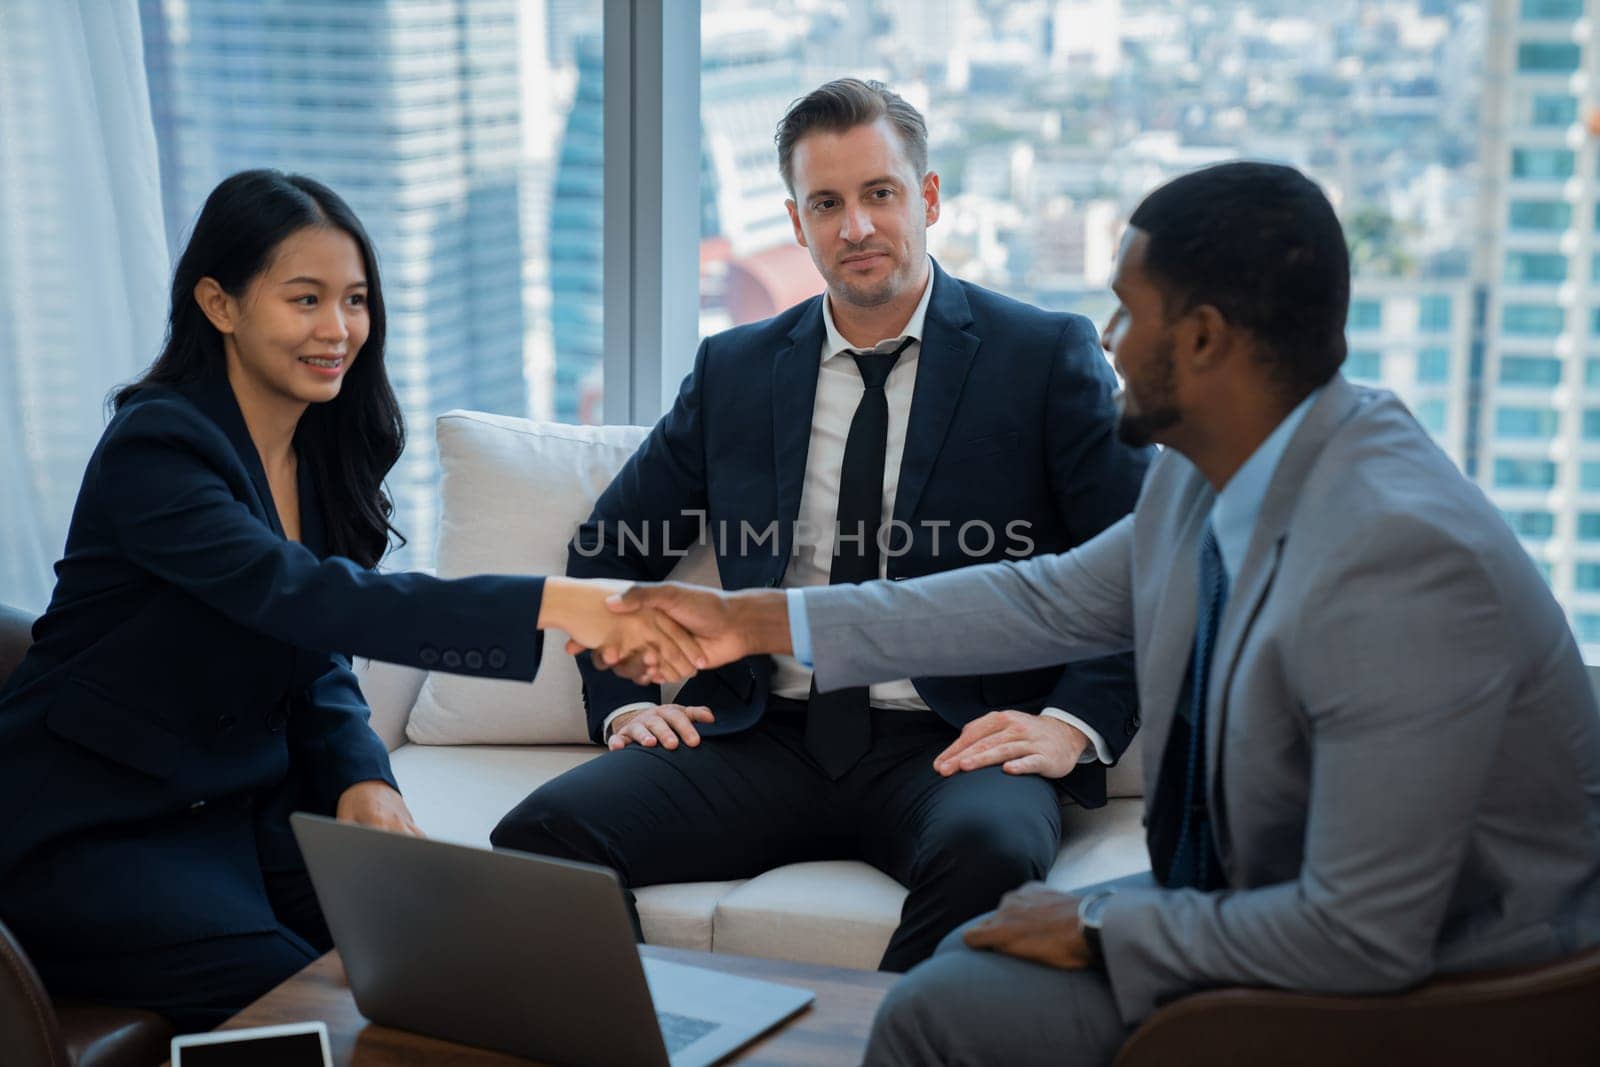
column 391, row 690
column 1543, row 1014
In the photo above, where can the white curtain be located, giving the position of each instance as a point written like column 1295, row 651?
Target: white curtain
column 83, row 259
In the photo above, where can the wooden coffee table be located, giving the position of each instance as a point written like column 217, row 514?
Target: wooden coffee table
column 832, row 1031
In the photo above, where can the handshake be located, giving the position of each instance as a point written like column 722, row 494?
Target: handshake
column 651, row 634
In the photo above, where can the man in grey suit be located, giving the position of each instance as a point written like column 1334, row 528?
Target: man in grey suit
column 1374, row 754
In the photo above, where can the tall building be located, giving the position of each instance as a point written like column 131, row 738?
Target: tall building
column 751, row 69
column 411, row 112
column 1540, row 421
column 1414, row 337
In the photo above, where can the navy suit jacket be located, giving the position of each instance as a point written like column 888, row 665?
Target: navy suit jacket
column 1012, row 421
column 190, row 684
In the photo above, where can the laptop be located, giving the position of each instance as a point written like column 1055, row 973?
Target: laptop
column 518, row 953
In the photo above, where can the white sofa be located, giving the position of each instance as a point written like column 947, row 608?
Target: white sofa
column 466, row 750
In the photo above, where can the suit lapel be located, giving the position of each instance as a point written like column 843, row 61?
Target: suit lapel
column 794, row 395
column 214, row 396
column 948, row 350
column 1249, row 590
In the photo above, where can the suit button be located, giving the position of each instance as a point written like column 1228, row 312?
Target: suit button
column 473, row 660
column 451, row 658
column 428, row 657
column 225, row 723
column 497, row 658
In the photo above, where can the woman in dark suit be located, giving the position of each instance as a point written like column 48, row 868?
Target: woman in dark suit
column 190, row 684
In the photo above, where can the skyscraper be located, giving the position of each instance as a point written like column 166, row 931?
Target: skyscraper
column 1540, row 424
column 411, row 112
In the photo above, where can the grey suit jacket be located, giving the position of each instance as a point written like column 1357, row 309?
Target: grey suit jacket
column 1403, row 743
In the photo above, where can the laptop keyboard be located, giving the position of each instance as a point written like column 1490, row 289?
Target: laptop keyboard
column 681, row 1031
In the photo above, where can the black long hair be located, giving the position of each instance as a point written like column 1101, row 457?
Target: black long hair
column 352, row 441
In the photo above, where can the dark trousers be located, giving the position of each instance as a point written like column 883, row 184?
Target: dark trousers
column 198, row 984
column 740, row 804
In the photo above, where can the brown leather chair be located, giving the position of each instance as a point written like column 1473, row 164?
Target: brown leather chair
column 1548, row 1014
column 34, row 1030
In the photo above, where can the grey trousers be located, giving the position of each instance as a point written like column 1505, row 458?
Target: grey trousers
column 967, row 1008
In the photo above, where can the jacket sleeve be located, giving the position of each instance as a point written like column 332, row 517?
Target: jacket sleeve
column 1404, row 674
column 643, row 523
column 1096, row 481
column 333, row 733
column 165, row 478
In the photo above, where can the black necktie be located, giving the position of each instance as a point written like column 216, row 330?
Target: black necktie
column 1182, row 846
column 838, row 726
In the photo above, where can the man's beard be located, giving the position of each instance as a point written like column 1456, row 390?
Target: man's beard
column 1139, row 428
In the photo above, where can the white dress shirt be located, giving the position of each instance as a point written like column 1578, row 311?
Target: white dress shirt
column 839, row 391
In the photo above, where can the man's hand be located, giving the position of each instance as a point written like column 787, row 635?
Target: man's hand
column 1021, row 742
column 664, row 724
column 723, row 626
column 661, row 648
column 1038, row 924
column 376, row 804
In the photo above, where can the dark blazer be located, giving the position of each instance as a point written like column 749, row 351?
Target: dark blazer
column 1012, row 420
column 189, row 685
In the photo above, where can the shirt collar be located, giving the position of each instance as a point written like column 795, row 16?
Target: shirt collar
column 835, row 342
column 1234, row 512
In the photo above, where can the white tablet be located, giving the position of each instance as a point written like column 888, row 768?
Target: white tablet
column 294, row 1045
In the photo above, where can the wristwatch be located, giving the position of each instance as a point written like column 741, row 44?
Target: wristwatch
column 1090, row 910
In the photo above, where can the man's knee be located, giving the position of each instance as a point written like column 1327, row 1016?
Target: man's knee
column 548, row 822
column 986, row 853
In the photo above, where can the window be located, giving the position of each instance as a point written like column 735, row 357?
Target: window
column 1364, row 365
column 1532, row 320
column 1591, row 373
column 1591, row 425
column 1433, row 364
column 1530, row 370
column 1524, row 473
column 1586, row 627
column 1589, row 475
column 1535, row 267
column 1589, row 525
column 1526, row 423
column 1551, row 9
column 1550, row 110
column 1587, row 577
column 1540, row 215
column 1548, row 57
column 1431, row 415
column 1532, row 525
column 1433, row 314
column 1365, row 315
column 1542, row 164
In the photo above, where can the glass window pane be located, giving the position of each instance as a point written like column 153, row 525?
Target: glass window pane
column 1524, row 473
column 1433, row 314
column 1548, row 110
column 1542, row 164
column 1536, row 267
column 464, row 152
column 1548, row 57
column 1525, row 423
column 1364, row 365
column 1533, row 525
column 1433, row 365
column 1365, row 314
column 1540, row 215
column 1533, row 320
column 1588, row 576
column 1530, row 370
column 1589, row 525
column 1551, row 9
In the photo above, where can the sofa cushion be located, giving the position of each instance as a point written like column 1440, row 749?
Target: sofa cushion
column 512, row 493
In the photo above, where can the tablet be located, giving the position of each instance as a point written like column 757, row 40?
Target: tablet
column 294, row 1045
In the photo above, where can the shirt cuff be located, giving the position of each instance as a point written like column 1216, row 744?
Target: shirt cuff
column 799, row 627
column 605, row 727
column 1097, row 744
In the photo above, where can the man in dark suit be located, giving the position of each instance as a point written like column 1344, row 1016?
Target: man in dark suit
column 905, row 423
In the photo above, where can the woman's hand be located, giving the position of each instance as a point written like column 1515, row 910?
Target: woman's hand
column 376, row 804
column 651, row 638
